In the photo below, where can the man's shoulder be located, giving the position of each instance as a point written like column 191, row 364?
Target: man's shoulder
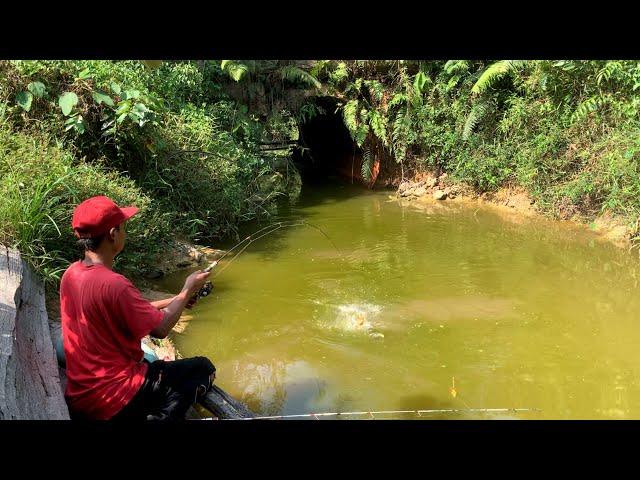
column 104, row 276
column 114, row 278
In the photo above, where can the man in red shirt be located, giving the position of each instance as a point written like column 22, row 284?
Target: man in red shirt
column 104, row 319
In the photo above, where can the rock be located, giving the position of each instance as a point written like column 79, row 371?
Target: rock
column 403, row 187
column 197, row 256
column 212, row 252
column 439, row 195
column 420, row 191
column 432, row 182
column 184, row 263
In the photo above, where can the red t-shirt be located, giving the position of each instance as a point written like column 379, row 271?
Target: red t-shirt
column 104, row 318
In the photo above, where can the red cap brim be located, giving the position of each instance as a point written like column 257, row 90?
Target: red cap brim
column 129, row 212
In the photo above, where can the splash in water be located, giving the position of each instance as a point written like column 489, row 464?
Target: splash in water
column 358, row 318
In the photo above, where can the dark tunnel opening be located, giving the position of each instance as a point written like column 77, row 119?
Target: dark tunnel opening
column 327, row 151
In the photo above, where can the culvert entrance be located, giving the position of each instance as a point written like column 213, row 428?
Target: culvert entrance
column 327, row 152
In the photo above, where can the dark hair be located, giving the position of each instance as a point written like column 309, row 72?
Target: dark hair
column 92, row 244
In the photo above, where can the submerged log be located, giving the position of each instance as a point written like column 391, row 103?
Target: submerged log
column 29, row 381
column 223, row 405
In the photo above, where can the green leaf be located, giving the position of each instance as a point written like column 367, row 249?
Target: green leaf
column 140, row 108
column 24, row 99
column 420, row 81
column 123, row 107
column 127, row 94
column 495, row 72
column 115, row 88
column 67, row 101
column 100, row 97
column 84, row 74
column 37, row 89
column 234, row 69
column 77, row 123
column 378, row 125
column 294, row 74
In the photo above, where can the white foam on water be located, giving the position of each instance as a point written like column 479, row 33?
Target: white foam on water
column 357, row 317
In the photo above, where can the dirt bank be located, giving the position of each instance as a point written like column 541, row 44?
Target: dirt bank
column 514, row 202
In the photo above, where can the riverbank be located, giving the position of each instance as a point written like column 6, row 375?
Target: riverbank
column 429, row 187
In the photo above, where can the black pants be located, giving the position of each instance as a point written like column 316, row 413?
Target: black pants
column 169, row 389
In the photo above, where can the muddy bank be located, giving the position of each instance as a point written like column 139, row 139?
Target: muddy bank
column 514, row 202
column 180, row 255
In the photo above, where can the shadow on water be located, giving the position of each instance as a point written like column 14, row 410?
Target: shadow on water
column 329, row 191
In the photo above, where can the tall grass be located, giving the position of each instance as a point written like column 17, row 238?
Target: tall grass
column 40, row 185
column 194, row 171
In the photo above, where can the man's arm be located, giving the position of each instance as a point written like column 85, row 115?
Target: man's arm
column 160, row 304
column 177, row 304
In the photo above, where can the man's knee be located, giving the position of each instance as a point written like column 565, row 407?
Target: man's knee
column 205, row 365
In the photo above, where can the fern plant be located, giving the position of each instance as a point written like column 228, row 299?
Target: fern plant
column 235, row 70
column 591, row 104
column 294, row 74
column 366, row 170
column 495, row 72
column 479, row 112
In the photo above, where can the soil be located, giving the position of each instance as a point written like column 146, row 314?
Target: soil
column 428, row 188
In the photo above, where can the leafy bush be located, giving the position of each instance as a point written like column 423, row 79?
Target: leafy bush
column 40, row 184
column 165, row 139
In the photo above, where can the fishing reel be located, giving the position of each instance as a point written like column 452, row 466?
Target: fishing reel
column 205, row 290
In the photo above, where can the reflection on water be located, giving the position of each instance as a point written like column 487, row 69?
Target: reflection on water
column 277, row 386
column 524, row 314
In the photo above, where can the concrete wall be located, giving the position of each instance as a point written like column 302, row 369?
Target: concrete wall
column 29, row 379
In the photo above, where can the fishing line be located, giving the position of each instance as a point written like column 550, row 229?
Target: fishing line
column 249, row 243
column 262, row 233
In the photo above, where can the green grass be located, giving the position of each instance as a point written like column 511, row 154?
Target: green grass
column 193, row 170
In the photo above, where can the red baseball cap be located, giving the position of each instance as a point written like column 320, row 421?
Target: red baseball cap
column 97, row 215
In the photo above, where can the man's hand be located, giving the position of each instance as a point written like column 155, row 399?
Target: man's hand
column 192, row 285
column 195, row 282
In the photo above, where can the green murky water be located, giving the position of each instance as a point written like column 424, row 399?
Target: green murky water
column 523, row 313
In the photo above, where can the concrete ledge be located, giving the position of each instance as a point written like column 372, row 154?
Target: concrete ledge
column 29, row 379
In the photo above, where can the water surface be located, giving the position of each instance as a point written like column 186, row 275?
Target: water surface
column 523, row 313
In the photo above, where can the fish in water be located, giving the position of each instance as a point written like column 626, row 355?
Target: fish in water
column 358, row 318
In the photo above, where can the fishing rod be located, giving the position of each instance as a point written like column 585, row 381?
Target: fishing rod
column 252, row 238
column 372, row 413
column 259, row 234
column 269, row 229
